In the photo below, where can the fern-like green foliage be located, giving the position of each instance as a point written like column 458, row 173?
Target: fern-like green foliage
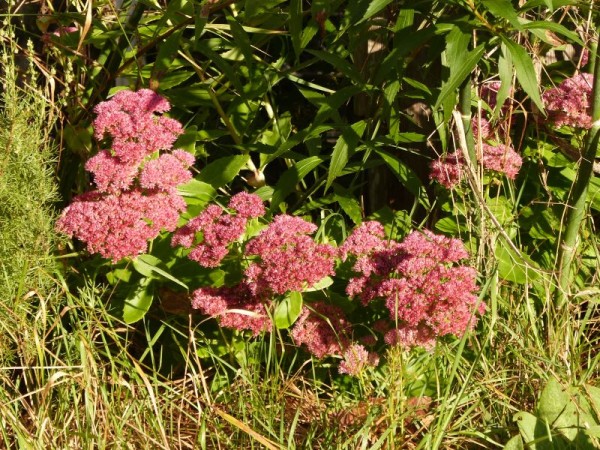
column 27, row 193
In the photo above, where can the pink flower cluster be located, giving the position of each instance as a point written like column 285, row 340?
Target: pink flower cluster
column 287, row 258
column 136, row 195
column 447, row 170
column 570, row 102
column 218, row 229
column 427, row 292
column 284, row 258
column 234, row 307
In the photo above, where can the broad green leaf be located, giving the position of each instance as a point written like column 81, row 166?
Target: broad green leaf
column 324, row 283
column 552, row 402
column 288, row 310
column 223, row 170
column 374, row 7
column 138, row 301
column 525, row 71
column 515, row 443
column 505, row 72
column 187, row 140
column 529, row 427
column 291, row 177
column 460, row 74
column 166, row 53
column 405, row 175
column 150, row 266
column 504, row 9
column 511, row 267
column 197, row 192
column 344, row 149
column 540, row 25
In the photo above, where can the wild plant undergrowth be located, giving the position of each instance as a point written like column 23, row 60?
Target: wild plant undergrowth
column 101, row 354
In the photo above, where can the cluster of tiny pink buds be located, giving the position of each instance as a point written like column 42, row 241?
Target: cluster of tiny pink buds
column 447, row 170
column 136, row 129
column 133, row 201
column 426, row 291
column 287, row 258
column 324, row 329
column 214, row 229
column 503, row 159
column 234, row 307
column 570, row 102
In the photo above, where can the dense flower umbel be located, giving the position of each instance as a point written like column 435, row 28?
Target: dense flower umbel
column 234, row 307
column 324, row 330
column 131, row 121
column 427, row 294
column 218, row 229
column 447, row 170
column 135, row 199
column 503, row 159
column 570, row 102
column 287, row 259
column 116, row 226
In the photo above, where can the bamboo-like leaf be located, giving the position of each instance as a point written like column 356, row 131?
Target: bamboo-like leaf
column 525, row 71
column 405, row 175
column 291, row 177
column 344, row 149
column 374, row 7
column 504, row 9
column 460, row 74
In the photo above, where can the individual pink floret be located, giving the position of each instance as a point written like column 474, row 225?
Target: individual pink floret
column 503, row 159
column 357, row 359
column 166, row 172
column 288, row 259
column 570, row 102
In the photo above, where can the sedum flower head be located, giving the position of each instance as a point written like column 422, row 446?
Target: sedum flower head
column 503, row 159
column 447, row 170
column 133, row 201
column 323, row 330
column 287, row 258
column 234, row 307
column 133, row 122
column 117, row 226
column 211, row 233
column 570, row 102
column 357, row 359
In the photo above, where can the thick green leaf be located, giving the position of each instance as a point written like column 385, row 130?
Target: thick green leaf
column 288, row 310
column 138, row 301
column 150, row 266
column 460, row 74
column 552, row 402
column 525, row 71
column 291, row 177
column 197, row 192
column 344, row 149
column 223, row 170
column 166, row 54
column 511, row 267
column 515, row 443
column 324, row 283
